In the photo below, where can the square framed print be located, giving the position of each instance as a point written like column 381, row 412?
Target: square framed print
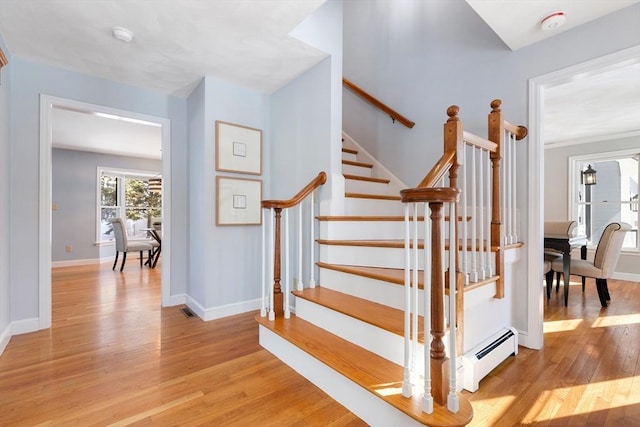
column 238, row 201
column 238, row 148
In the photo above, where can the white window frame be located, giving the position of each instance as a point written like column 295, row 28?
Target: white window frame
column 121, row 208
column 573, row 181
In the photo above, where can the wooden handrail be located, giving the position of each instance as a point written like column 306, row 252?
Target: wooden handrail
column 437, row 195
column 373, row 101
column 437, row 172
column 478, row 141
column 283, row 204
column 3, row 59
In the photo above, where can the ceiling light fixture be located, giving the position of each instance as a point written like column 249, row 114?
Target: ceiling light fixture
column 122, row 34
column 553, row 21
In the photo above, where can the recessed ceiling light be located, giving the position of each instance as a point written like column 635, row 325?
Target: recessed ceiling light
column 122, row 34
column 553, row 21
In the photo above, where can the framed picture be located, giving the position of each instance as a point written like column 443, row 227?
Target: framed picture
column 238, row 201
column 238, row 148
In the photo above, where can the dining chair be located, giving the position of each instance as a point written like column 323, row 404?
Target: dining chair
column 604, row 261
column 124, row 245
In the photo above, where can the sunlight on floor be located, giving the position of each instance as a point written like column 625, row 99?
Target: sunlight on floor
column 623, row 319
column 586, row 398
column 492, row 403
column 561, row 325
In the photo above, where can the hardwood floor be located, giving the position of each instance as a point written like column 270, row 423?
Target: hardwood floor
column 114, row 357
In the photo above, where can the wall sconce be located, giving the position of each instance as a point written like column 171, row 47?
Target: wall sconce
column 633, row 205
column 589, row 176
column 155, row 185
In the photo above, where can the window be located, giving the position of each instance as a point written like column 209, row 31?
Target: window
column 614, row 196
column 135, row 196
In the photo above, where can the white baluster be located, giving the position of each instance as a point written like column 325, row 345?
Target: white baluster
column 452, row 399
column 287, row 282
column 473, row 276
column 507, row 188
column 300, row 284
column 514, row 233
column 481, row 237
column 414, row 301
column 488, row 181
column 427, row 398
column 406, row 381
column 312, row 279
column 464, row 265
column 263, row 308
column 272, row 313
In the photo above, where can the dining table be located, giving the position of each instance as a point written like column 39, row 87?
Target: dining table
column 565, row 244
column 155, row 235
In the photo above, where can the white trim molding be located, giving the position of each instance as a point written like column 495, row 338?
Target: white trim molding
column 533, row 336
column 47, row 103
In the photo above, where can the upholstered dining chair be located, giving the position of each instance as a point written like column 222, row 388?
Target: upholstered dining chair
column 604, row 261
column 124, row 245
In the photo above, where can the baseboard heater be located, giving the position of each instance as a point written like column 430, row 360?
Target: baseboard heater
column 481, row 360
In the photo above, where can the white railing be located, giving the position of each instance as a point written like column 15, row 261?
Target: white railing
column 509, row 210
column 276, row 250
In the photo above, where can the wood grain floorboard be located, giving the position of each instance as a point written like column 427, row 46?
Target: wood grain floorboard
column 114, row 357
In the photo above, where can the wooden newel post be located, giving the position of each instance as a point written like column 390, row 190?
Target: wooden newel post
column 278, row 297
column 439, row 361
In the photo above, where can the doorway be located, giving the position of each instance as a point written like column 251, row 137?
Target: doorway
column 537, row 87
column 47, row 104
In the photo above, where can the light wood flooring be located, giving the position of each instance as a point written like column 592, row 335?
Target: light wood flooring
column 114, row 357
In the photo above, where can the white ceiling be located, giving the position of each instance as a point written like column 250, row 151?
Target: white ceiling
column 247, row 42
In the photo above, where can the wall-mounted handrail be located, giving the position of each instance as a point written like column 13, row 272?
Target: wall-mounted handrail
column 378, row 104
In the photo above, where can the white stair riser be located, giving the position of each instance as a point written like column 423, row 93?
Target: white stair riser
column 349, row 156
column 366, row 187
column 362, row 230
column 356, row 170
column 371, row 409
column 384, row 343
column 367, row 256
column 358, row 206
column 363, row 287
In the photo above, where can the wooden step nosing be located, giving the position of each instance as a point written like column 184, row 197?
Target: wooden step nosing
column 372, row 196
column 366, row 178
column 358, row 164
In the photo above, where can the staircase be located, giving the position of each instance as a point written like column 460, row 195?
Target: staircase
column 347, row 335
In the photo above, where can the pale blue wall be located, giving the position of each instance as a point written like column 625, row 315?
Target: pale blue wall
column 5, row 253
column 28, row 82
column 73, row 190
column 224, row 262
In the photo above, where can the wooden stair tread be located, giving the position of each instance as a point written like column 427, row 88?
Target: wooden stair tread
column 372, row 372
column 372, row 196
column 387, row 243
column 354, row 163
column 366, row 178
column 394, row 275
column 349, row 150
column 382, row 316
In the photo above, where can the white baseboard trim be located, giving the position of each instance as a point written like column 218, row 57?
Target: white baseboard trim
column 626, row 276
column 177, row 300
column 76, row 262
column 5, row 336
column 223, row 310
column 25, row 326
